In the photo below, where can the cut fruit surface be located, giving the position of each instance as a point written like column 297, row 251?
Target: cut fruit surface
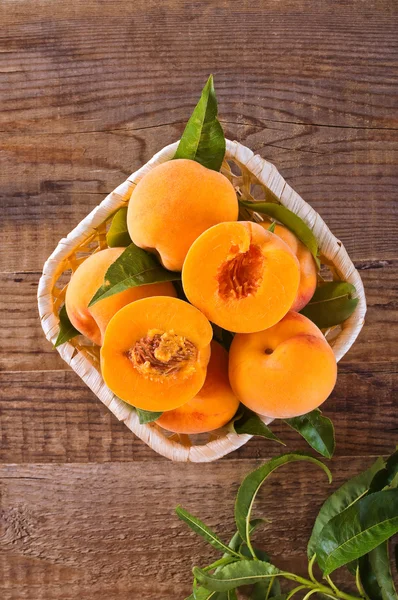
column 241, row 276
column 155, row 353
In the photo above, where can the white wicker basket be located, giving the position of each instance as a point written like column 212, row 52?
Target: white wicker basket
column 249, row 173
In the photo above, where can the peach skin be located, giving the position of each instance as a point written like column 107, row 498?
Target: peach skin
column 86, row 280
column 308, row 268
column 174, row 203
column 284, row 371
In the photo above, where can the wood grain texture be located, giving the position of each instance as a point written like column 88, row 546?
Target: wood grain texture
column 106, row 532
column 296, row 62
column 89, row 91
column 24, row 347
column 349, row 176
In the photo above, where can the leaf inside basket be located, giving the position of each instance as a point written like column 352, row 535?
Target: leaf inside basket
column 118, row 235
column 66, row 329
column 331, row 304
column 203, row 138
column 290, row 220
column 133, row 268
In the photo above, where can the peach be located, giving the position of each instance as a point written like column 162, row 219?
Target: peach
column 284, row 371
column 155, row 353
column 308, row 268
column 86, row 280
column 174, row 203
column 212, row 407
column 242, row 277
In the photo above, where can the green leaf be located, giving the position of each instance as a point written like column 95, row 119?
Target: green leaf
column 357, row 530
column 375, row 574
column 351, row 491
column 290, row 220
column 118, row 235
column 260, row 554
column 386, row 477
column 236, row 540
column 199, row 527
column 201, row 593
column 243, row 572
column 203, row 138
column 317, row 430
column 247, row 421
column 271, row 228
column 252, row 483
column 331, row 304
column 147, row 416
column 260, row 590
column 134, row 267
column 66, row 329
column 231, row 595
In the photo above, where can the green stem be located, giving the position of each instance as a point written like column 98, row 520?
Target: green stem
column 319, row 587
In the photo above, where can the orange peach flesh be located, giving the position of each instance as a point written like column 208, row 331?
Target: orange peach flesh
column 130, row 372
column 242, row 277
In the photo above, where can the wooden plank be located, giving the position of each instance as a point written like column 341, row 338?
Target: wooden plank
column 51, row 416
column 85, row 66
column 24, row 347
column 74, row 172
column 107, row 531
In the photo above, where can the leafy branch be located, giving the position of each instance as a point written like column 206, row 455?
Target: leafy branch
column 351, row 530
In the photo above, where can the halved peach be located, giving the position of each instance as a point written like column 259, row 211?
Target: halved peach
column 242, row 277
column 155, row 353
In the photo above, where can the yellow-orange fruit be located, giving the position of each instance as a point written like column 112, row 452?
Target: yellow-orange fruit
column 155, row 353
column 174, row 203
column 242, row 277
column 212, row 407
column 86, row 280
column 308, row 269
column 284, row 371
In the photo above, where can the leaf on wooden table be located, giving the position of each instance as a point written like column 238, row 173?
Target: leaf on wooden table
column 252, row 483
column 386, row 477
column 357, row 530
column 290, row 220
column 203, row 138
column 147, row 416
column 134, row 267
column 243, row 572
column 66, row 329
column 317, row 430
column 331, row 304
column 118, row 235
column 203, row 530
column 247, row 421
column 375, row 574
column 351, row 491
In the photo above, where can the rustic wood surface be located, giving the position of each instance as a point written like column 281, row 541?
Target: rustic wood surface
column 88, row 92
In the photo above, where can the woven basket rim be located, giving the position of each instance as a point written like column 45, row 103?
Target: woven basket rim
column 268, row 175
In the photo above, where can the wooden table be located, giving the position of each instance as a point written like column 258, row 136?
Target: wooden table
column 90, row 90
